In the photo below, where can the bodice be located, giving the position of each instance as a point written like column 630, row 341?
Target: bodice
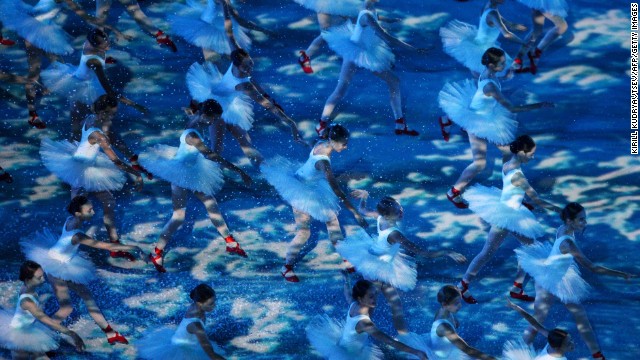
column 481, row 103
column 308, row 171
column 511, row 196
column 182, row 336
column 381, row 246
column 441, row 346
column 83, row 72
column 229, row 81
column 487, row 34
column 186, row 151
column 22, row 318
column 363, row 35
column 350, row 338
column 86, row 151
column 64, row 249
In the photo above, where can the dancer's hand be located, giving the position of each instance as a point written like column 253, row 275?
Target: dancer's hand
column 457, row 257
column 360, row 194
column 77, row 341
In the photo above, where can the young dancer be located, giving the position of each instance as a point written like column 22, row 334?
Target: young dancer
column 350, row 340
column 196, row 168
column 189, row 340
column 68, row 269
column 20, row 332
column 485, row 114
column 557, row 276
column 382, row 259
column 505, row 212
column 365, row 45
column 313, row 192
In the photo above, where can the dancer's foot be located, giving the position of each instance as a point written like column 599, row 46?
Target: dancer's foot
column 464, row 292
column 35, row 121
column 233, row 247
column 288, row 274
column 157, row 260
column 6, row 42
column 137, row 167
column 321, row 127
column 164, row 40
column 115, row 336
column 402, row 129
column 455, row 196
column 121, row 254
column 305, row 62
column 445, row 123
column 598, row 355
column 519, row 68
column 519, row 293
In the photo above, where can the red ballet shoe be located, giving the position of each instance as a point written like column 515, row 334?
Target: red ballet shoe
column 110, row 60
column 6, row 177
column 469, row 299
column 292, row 276
column 234, row 249
column 121, row 254
column 321, row 127
column 117, row 338
column 154, row 260
column 521, row 295
column 164, row 40
column 402, row 129
column 528, row 206
column 532, row 61
column 137, row 167
column 305, row 62
column 35, row 121
column 443, row 125
column 598, row 355
column 456, row 199
column 6, row 42
column 519, row 67
column 350, row 269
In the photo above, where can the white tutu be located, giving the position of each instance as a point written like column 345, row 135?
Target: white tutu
column 558, row 274
column 46, row 35
column 98, row 175
column 459, row 40
column 206, row 34
column 35, row 337
column 193, row 172
column 518, row 350
column 157, row 345
column 204, row 82
column 555, row 7
column 485, row 202
column 315, row 198
column 423, row 343
column 348, row 8
column 79, row 269
column 324, row 334
column 60, row 79
column 394, row 268
column 497, row 124
column 371, row 53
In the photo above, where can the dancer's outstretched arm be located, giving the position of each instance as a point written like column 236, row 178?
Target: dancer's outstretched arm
column 499, row 21
column 246, row 23
column 568, row 246
column 325, row 167
column 445, row 330
column 370, row 328
column 490, row 89
column 30, row 306
column 195, row 140
column 96, row 66
column 197, row 329
column 398, row 237
column 530, row 319
column 519, row 180
column 87, row 240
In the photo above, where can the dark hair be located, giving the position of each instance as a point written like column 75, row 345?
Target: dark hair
column 492, row 56
column 571, row 211
column 447, row 294
column 336, row 133
column 522, row 143
column 202, row 293
column 27, row 269
column 210, row 108
column 96, row 36
column 76, row 204
column 360, row 289
column 104, row 102
column 238, row 55
column 556, row 337
column 386, row 206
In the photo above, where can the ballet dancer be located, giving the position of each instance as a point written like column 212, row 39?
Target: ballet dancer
column 558, row 277
column 68, row 269
column 541, row 10
column 382, row 259
column 83, row 84
column 506, row 214
column 349, row 341
column 559, row 342
column 313, row 192
column 487, row 116
column 189, row 340
column 192, row 167
column 364, row 45
column 85, row 168
column 20, row 332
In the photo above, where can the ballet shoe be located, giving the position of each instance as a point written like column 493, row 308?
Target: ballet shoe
column 443, row 125
column 164, row 40
column 532, row 63
column 237, row 250
column 350, row 269
column 121, row 254
column 292, row 276
column 137, row 167
column 6, row 177
column 35, row 121
column 305, row 62
column 110, row 60
column 469, row 299
column 6, row 42
column 521, row 295
column 321, row 127
column 598, row 356
column 402, row 129
column 117, row 338
column 154, row 260
column 519, row 67
column 456, row 199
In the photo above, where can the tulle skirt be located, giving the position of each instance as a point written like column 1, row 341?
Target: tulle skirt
column 485, row 202
column 60, row 79
column 157, row 345
column 324, row 334
column 558, row 274
column 423, row 342
column 92, row 175
column 349, row 8
column 204, row 82
column 371, row 52
column 555, row 7
column 32, row 338
column 518, row 350
column 192, row 172
column 79, row 269
column 394, row 268
column 210, row 36
column 496, row 125
column 45, row 35
column 315, row 198
column 459, row 41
